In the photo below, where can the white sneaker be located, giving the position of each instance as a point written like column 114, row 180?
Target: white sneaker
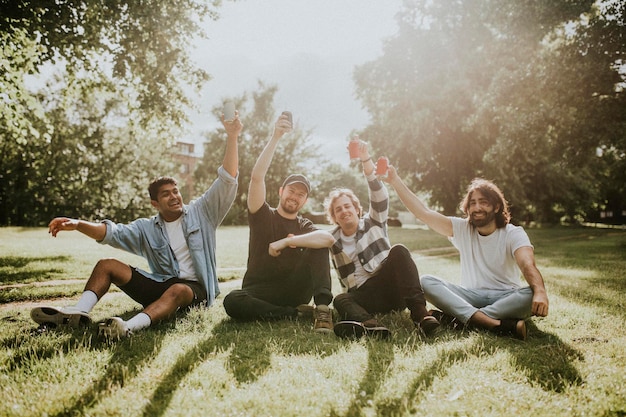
column 114, row 328
column 60, row 316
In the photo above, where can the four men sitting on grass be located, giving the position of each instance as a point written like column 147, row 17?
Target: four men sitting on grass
column 288, row 260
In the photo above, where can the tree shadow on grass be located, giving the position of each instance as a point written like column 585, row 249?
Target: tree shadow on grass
column 380, row 358
column 13, row 272
column 123, row 365
column 250, row 353
column 544, row 359
column 596, row 292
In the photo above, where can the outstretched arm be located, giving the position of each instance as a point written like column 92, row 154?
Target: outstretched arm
column 95, row 231
column 436, row 221
column 525, row 258
column 256, row 189
column 364, row 156
column 231, row 156
column 316, row 239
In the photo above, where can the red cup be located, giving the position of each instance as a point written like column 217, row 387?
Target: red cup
column 382, row 166
column 353, row 148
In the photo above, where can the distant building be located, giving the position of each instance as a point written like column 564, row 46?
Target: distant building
column 187, row 160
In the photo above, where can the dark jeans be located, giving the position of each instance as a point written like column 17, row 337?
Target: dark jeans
column 395, row 287
column 280, row 297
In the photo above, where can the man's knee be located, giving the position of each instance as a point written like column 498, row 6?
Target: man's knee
column 110, row 265
column 400, row 251
column 181, row 293
column 429, row 281
column 341, row 299
column 231, row 302
column 117, row 272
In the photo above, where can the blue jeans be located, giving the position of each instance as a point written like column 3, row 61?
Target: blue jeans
column 463, row 303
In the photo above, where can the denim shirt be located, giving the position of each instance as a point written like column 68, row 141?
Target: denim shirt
column 146, row 237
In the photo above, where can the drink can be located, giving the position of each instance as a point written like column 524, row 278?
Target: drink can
column 353, row 148
column 382, row 166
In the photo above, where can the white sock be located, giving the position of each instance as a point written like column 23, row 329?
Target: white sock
column 140, row 321
column 87, row 301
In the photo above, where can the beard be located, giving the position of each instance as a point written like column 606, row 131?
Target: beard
column 485, row 220
column 289, row 207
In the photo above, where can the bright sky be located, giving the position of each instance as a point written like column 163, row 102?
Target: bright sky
column 308, row 48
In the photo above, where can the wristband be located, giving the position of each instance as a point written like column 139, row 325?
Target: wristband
column 368, row 159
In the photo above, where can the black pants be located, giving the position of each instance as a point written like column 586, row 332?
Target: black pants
column 280, row 297
column 395, row 287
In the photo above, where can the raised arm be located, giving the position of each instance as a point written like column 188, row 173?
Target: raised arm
column 231, row 156
column 95, row 231
column 525, row 258
column 364, row 156
column 316, row 239
column 436, row 221
column 256, row 190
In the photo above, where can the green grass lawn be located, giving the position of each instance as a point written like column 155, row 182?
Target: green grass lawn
column 204, row 364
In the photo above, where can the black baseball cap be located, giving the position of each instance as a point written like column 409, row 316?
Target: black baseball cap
column 298, row 178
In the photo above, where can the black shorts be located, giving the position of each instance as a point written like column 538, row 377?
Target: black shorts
column 145, row 290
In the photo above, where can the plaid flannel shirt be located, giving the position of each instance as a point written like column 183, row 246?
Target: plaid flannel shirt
column 372, row 241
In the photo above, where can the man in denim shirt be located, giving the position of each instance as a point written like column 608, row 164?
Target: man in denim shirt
column 178, row 244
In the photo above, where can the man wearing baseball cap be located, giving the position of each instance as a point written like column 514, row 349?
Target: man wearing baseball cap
column 282, row 287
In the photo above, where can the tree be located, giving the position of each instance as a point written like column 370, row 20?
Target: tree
column 136, row 56
column 257, row 113
column 143, row 44
column 88, row 167
column 494, row 89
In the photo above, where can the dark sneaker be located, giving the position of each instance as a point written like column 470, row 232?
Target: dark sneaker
column 446, row 319
column 349, row 329
column 355, row 329
column 60, row 316
column 323, row 319
column 114, row 328
column 428, row 325
column 373, row 329
column 512, row 327
column 305, row 311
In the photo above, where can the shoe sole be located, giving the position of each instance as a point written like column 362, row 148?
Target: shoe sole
column 429, row 325
column 323, row 330
column 378, row 332
column 55, row 317
column 356, row 330
column 349, row 329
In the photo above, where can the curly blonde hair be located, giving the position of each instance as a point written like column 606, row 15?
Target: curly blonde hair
column 333, row 196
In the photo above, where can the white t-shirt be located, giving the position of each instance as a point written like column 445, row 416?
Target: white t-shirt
column 181, row 250
column 349, row 248
column 488, row 262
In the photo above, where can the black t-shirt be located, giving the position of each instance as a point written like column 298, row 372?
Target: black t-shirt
column 267, row 226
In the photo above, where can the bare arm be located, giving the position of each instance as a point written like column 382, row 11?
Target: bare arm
column 525, row 258
column 436, row 221
column 256, row 189
column 364, row 156
column 231, row 156
column 316, row 239
column 95, row 231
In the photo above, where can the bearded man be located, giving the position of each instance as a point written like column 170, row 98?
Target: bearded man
column 494, row 255
column 277, row 288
